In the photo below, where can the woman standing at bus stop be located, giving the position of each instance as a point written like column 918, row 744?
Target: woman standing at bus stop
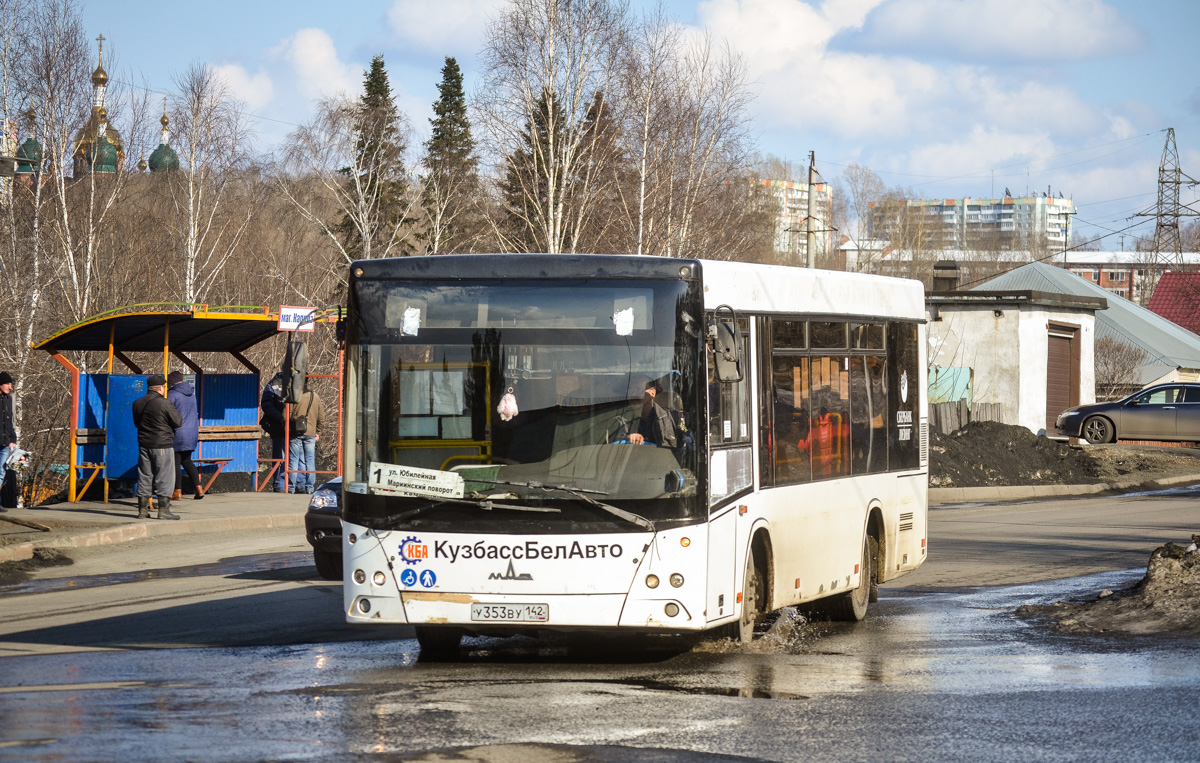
column 187, row 436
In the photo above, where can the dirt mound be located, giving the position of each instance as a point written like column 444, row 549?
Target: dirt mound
column 985, row 453
column 1164, row 602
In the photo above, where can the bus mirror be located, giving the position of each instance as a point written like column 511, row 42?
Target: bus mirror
column 726, row 353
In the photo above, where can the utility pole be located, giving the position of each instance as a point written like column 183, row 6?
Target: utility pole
column 808, row 224
column 1168, row 246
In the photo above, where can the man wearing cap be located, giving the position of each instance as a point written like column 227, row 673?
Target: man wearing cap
column 156, row 420
column 8, row 429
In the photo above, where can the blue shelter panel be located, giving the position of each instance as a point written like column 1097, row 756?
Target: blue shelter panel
column 93, row 398
column 230, row 400
column 122, row 456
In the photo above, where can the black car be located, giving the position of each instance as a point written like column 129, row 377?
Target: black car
column 1162, row 412
column 323, row 527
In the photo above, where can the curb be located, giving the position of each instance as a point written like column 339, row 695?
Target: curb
column 150, row 529
column 999, row 494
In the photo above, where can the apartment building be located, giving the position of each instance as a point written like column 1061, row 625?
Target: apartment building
column 791, row 219
column 969, row 223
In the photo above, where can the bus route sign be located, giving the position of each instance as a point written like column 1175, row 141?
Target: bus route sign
column 414, row 481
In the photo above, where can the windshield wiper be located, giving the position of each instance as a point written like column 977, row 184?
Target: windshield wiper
column 483, row 503
column 582, row 493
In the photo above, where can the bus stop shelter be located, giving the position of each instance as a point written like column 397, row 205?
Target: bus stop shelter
column 103, row 435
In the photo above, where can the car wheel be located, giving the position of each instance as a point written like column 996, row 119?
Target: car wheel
column 1098, row 430
column 329, row 564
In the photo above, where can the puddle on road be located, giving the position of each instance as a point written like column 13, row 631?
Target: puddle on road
column 292, row 565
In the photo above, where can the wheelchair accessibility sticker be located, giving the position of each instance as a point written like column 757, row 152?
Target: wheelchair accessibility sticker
column 411, row 578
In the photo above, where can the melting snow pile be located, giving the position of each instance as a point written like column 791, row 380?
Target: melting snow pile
column 1164, row 602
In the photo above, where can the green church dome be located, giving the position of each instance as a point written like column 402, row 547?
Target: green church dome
column 104, row 159
column 29, row 157
column 164, row 158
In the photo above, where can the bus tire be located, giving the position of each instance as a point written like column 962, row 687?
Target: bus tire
column 752, row 596
column 439, row 639
column 852, row 606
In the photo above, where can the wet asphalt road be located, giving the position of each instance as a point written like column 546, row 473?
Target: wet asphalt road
column 248, row 659
column 928, row 676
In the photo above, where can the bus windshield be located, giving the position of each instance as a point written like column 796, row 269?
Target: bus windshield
column 510, row 406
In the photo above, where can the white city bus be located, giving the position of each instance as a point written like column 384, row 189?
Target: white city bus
column 582, row 443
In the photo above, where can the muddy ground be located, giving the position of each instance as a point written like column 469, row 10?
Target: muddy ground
column 987, row 454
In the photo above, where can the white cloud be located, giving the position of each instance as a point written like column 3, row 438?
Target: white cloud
column 1017, row 30
column 255, row 89
column 452, row 27
column 314, row 60
column 805, row 85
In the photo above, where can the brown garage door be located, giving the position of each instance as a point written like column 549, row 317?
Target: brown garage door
column 1062, row 371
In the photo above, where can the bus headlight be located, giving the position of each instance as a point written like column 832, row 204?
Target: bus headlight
column 676, row 580
column 671, row 609
column 364, row 605
column 380, row 578
column 360, row 577
column 652, row 581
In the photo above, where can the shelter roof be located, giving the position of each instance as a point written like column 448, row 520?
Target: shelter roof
column 182, row 327
column 1167, row 346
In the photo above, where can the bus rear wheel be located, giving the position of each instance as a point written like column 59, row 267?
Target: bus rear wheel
column 439, row 639
column 852, row 605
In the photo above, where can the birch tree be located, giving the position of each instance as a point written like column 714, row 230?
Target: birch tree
column 211, row 206
column 548, row 65
column 351, row 152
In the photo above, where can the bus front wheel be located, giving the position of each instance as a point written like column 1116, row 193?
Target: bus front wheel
column 438, row 639
column 752, row 599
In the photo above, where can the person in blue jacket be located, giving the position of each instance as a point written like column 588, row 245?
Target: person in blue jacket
column 187, row 436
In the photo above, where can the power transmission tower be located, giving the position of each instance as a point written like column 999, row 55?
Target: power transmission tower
column 1168, row 245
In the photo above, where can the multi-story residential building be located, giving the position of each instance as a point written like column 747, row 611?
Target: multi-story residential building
column 791, row 219
column 969, row 224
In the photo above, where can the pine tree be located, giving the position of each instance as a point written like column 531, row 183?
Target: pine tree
column 378, row 171
column 451, row 187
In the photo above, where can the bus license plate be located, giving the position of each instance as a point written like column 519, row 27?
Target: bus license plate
column 511, row 613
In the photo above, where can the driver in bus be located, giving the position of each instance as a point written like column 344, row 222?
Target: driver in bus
column 653, row 425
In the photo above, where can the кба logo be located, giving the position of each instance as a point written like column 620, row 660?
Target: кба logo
column 413, row 551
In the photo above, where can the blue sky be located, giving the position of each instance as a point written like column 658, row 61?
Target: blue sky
column 950, row 97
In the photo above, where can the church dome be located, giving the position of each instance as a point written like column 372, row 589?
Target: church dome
column 105, row 157
column 164, row 158
column 29, row 156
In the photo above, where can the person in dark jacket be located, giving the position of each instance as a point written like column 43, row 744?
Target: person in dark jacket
column 156, row 420
column 653, row 422
column 272, row 423
column 187, row 436
column 8, row 433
